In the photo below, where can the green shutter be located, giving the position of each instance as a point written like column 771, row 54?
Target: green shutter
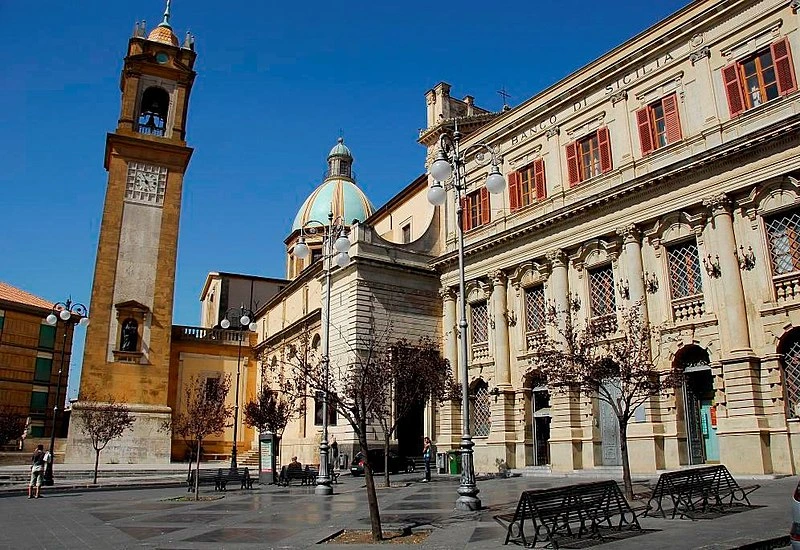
column 2, row 320
column 38, row 402
column 47, row 336
column 44, row 367
column 37, row 431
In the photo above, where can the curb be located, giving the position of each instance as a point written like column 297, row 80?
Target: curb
column 769, row 544
column 17, row 491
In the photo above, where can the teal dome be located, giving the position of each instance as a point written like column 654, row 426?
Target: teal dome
column 340, row 196
column 340, row 150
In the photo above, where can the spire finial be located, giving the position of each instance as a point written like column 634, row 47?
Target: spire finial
column 165, row 22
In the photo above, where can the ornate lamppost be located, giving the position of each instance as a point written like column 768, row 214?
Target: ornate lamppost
column 334, row 244
column 70, row 313
column 449, row 172
column 246, row 325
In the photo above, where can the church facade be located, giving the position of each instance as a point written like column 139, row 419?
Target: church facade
column 663, row 173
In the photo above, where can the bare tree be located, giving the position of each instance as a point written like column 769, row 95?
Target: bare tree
column 616, row 364
column 103, row 421
column 356, row 390
column 12, row 424
column 415, row 374
column 205, row 412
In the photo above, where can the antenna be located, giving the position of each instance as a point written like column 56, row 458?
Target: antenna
column 505, row 95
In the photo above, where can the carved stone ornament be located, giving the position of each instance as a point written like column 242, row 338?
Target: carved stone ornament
column 718, row 204
column 795, row 5
column 498, row 277
column 630, row 234
column 557, row 258
column 146, row 183
column 621, row 95
column 447, row 294
column 696, row 40
column 702, row 53
column 552, row 132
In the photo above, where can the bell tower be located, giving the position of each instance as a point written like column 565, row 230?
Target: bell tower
column 128, row 342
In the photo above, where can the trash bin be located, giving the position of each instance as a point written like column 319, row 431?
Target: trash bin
column 454, row 458
column 441, row 463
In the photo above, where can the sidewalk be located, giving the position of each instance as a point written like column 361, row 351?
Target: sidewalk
column 294, row 517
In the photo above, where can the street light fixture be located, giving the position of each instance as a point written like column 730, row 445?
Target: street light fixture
column 334, row 243
column 246, row 323
column 449, row 172
column 70, row 313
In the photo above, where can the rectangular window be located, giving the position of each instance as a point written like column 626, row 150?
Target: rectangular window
column 318, row 399
column 784, row 245
column 212, row 388
column 44, row 367
column 406, row 230
column 527, row 185
column 480, row 322
column 534, row 309
column 684, row 270
column 316, row 254
column 659, row 124
column 2, row 321
column 601, row 292
column 589, row 157
column 38, row 402
column 761, row 77
column 47, row 336
column 475, row 209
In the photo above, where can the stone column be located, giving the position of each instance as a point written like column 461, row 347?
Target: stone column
column 634, row 269
column 502, row 366
column 559, row 280
column 448, row 419
column 742, row 427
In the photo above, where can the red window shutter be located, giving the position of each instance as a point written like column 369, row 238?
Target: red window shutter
column 465, row 217
column 645, row 130
column 483, row 211
column 672, row 119
column 604, row 143
column 538, row 178
column 513, row 190
column 784, row 68
column 573, row 168
column 733, row 88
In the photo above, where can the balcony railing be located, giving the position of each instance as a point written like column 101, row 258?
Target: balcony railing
column 480, row 352
column 690, row 308
column 207, row 335
column 787, row 286
column 534, row 338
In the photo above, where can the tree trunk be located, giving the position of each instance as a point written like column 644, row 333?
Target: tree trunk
column 626, row 466
column 197, row 473
column 96, row 463
column 386, row 460
column 372, row 497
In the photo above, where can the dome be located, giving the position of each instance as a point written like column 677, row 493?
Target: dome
column 163, row 34
column 341, row 196
column 340, row 150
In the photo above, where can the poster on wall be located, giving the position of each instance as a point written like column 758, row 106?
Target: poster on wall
column 266, row 456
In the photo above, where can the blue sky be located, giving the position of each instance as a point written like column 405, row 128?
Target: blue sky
column 277, row 82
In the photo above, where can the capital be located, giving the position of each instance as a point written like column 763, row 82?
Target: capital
column 630, row 234
column 557, row 258
column 718, row 204
column 447, row 294
column 498, row 277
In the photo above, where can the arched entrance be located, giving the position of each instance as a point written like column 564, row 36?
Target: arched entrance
column 699, row 405
column 789, row 348
column 540, row 418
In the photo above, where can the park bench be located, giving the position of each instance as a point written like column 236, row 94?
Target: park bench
column 693, row 490
column 573, row 510
column 306, row 476
column 221, row 477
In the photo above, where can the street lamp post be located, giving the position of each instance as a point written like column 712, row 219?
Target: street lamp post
column 71, row 313
column 449, row 171
column 246, row 323
column 334, row 243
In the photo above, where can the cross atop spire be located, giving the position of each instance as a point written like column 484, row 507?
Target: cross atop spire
column 165, row 22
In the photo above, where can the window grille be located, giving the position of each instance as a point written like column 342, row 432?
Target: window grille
column 784, row 248
column 481, row 413
column 791, row 376
column 534, row 309
column 684, row 270
column 480, row 323
column 601, row 291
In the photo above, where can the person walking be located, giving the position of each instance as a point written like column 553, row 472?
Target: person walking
column 335, row 452
column 37, row 472
column 426, row 457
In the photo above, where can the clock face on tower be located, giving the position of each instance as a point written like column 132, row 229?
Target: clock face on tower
column 146, row 183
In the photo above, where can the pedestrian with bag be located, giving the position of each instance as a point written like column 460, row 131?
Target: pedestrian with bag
column 37, row 472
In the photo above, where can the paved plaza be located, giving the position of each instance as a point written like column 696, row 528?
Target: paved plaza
column 293, row 517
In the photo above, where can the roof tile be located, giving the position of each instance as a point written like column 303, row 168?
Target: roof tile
column 14, row 294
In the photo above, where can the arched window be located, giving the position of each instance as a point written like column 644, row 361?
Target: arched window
column 789, row 348
column 480, row 409
column 152, row 118
column 315, row 342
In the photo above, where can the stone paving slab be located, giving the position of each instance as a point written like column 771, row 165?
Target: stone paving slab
column 273, row 517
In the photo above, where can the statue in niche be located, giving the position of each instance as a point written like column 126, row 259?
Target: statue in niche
column 130, row 335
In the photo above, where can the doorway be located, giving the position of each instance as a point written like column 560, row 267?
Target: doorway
column 410, row 431
column 540, row 403
column 609, row 428
column 700, row 408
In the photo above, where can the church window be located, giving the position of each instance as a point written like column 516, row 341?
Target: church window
column 527, row 185
column 659, row 124
column 480, row 322
column 319, row 397
column 475, row 209
column 684, row 270
column 761, row 77
column 601, row 293
column 406, row 230
column 784, row 245
column 589, row 156
column 152, row 118
column 790, row 352
column 534, row 310
column 481, row 410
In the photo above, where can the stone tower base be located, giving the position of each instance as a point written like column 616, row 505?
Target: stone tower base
column 146, row 443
